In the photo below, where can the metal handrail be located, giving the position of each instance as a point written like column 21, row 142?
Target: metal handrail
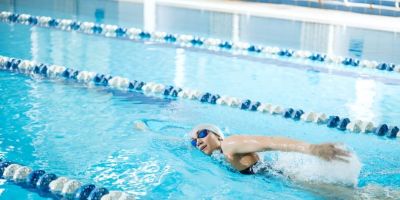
column 359, row 3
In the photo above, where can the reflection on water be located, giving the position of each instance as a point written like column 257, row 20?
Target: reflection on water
column 366, row 96
column 179, row 79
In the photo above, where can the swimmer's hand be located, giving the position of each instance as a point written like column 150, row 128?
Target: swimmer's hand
column 329, row 151
column 140, row 125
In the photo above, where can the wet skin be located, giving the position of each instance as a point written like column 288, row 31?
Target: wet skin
column 241, row 150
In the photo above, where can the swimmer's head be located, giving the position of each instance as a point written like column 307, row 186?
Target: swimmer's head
column 206, row 137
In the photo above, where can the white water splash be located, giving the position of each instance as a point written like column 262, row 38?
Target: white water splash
column 312, row 169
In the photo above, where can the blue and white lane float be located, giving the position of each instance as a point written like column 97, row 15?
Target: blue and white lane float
column 151, row 88
column 51, row 185
column 189, row 41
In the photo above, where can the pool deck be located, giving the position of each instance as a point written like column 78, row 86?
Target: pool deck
column 341, row 18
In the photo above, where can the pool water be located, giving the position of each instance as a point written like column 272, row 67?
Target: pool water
column 87, row 133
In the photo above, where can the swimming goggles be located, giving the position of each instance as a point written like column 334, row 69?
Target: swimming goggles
column 200, row 134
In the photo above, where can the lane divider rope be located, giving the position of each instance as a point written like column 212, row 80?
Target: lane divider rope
column 151, row 88
column 212, row 44
column 57, row 187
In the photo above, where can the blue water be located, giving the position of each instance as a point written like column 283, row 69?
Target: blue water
column 88, row 133
column 354, row 96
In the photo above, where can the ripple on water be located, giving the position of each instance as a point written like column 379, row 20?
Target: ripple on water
column 126, row 170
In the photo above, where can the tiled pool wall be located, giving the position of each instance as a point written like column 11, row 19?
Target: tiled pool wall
column 374, row 7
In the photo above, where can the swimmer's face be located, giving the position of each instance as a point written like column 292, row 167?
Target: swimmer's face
column 207, row 144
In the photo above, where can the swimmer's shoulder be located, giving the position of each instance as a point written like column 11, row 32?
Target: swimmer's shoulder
column 233, row 138
column 230, row 143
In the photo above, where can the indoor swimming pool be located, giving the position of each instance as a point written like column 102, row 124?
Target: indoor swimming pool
column 86, row 131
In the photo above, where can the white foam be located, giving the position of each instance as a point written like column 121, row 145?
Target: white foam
column 117, row 195
column 373, row 191
column 312, row 169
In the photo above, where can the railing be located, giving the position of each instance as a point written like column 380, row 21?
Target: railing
column 376, row 7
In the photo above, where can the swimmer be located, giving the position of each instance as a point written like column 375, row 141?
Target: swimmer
column 241, row 150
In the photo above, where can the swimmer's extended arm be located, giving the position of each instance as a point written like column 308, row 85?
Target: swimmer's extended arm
column 240, row 144
column 141, row 125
